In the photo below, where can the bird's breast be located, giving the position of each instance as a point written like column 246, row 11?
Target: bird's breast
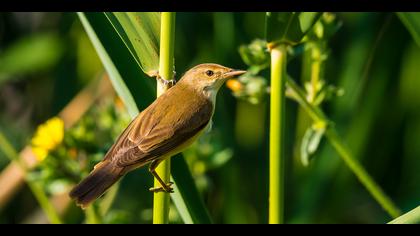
column 187, row 143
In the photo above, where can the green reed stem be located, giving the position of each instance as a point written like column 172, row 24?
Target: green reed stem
column 166, row 67
column 277, row 116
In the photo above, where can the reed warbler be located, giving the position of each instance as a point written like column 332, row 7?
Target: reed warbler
column 166, row 127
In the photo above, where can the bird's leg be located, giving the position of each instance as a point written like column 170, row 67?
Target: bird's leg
column 165, row 187
column 165, row 82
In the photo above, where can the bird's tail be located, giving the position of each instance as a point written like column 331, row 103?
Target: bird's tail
column 103, row 176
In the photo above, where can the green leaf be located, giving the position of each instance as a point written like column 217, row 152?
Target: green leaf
column 31, row 54
column 114, row 75
column 411, row 217
column 310, row 144
column 325, row 27
column 255, row 54
column 289, row 27
column 411, row 20
column 140, row 33
column 186, row 197
column 141, row 86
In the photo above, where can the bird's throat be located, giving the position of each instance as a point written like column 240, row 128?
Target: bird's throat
column 211, row 94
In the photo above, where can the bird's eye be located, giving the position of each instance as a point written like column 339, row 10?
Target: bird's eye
column 209, row 72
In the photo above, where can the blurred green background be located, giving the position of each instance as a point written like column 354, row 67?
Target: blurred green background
column 47, row 58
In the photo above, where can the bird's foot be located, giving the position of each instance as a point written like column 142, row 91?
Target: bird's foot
column 167, row 188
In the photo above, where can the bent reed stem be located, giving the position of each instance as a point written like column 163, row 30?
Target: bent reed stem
column 367, row 181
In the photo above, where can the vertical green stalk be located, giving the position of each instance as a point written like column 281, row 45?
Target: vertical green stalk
column 35, row 187
column 277, row 116
column 166, row 67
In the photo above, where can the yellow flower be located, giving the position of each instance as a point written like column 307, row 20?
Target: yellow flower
column 40, row 153
column 47, row 137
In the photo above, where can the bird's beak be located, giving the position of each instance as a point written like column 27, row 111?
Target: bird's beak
column 233, row 73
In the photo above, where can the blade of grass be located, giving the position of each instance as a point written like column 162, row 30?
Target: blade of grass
column 411, row 217
column 411, row 20
column 318, row 116
column 140, row 32
column 114, row 75
column 186, row 199
column 141, row 86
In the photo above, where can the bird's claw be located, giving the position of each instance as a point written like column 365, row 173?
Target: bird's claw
column 167, row 188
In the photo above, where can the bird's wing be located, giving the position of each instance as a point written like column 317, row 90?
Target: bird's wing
column 157, row 131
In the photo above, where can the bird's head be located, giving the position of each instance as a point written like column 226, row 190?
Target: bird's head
column 209, row 77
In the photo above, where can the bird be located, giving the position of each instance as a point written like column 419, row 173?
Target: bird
column 166, row 127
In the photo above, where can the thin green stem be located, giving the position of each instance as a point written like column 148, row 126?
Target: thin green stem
column 114, row 75
column 166, row 67
column 318, row 116
column 315, row 70
column 35, row 187
column 108, row 199
column 411, row 217
column 44, row 202
column 298, row 94
column 277, row 116
column 361, row 174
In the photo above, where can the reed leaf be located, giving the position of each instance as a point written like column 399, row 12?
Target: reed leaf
column 140, row 33
column 411, row 20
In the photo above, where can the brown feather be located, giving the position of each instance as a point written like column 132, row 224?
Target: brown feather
column 155, row 132
column 96, row 183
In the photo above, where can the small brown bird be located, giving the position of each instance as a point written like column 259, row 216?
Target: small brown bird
column 166, row 127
